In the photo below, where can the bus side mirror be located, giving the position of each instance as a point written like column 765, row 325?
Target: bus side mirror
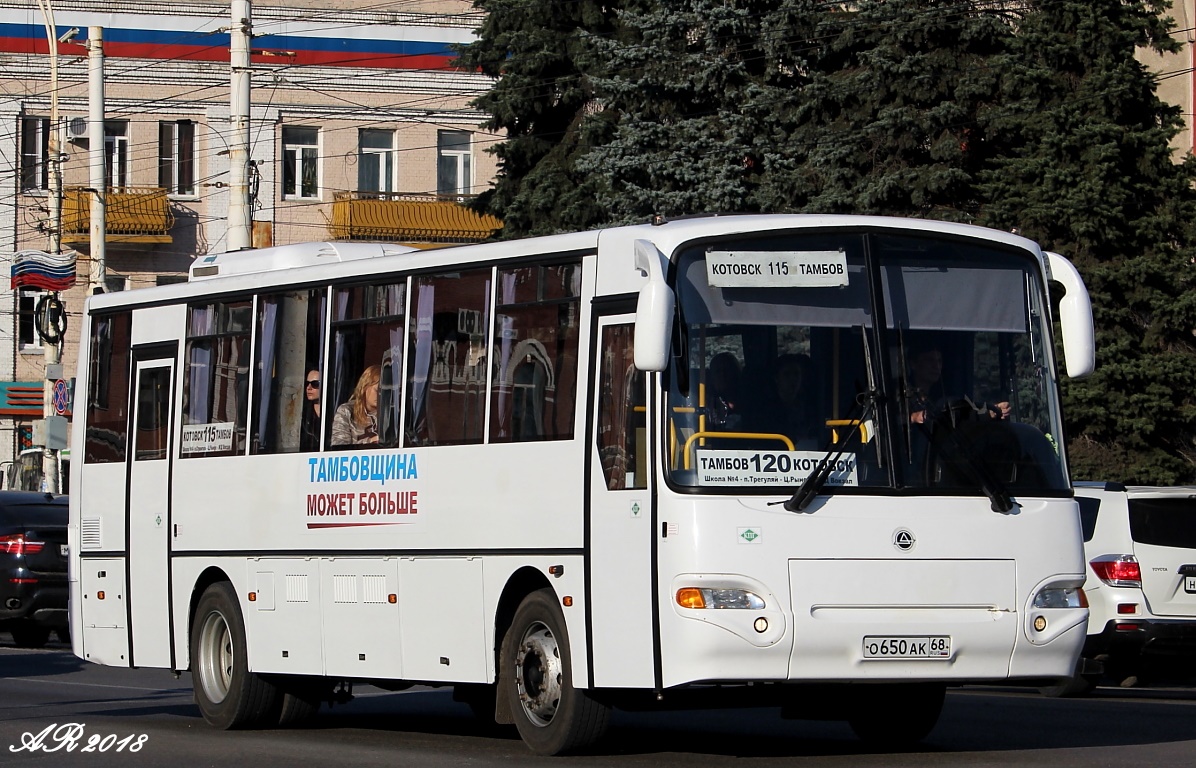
column 1075, row 317
column 653, row 311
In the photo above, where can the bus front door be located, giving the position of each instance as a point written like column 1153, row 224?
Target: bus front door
column 148, row 511
column 620, row 514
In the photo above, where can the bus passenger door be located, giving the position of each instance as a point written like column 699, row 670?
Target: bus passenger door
column 148, row 510
column 620, row 513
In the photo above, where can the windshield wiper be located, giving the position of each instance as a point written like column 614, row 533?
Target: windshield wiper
column 814, row 481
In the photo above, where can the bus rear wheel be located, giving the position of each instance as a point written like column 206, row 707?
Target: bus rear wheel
column 226, row 692
column 897, row 715
column 552, row 716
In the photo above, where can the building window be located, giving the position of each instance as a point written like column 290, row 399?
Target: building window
column 35, row 149
column 27, row 320
column 116, row 153
column 454, row 175
column 176, row 157
column 376, row 161
column 300, row 162
column 115, row 283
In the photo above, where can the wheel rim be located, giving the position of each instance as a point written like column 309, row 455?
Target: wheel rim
column 538, row 674
column 215, row 657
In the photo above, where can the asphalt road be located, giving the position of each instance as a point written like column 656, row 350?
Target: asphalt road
column 117, row 710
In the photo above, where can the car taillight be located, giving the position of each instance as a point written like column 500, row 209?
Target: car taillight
column 1118, row 570
column 17, row 544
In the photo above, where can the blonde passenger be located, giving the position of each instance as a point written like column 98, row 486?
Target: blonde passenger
column 356, row 422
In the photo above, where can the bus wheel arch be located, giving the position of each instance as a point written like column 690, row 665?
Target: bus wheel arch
column 536, row 681
column 211, row 575
column 521, row 583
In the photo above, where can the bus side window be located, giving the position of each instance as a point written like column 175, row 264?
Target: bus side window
column 290, row 356
column 108, row 389
column 368, row 328
column 216, row 379
column 620, row 429
column 446, row 373
column 535, row 353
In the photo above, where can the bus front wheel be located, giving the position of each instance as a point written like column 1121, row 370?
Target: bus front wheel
column 552, row 716
column 226, row 692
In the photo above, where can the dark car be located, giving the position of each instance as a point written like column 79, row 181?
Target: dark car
column 33, row 566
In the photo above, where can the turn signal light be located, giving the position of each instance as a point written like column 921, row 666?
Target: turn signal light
column 698, row 597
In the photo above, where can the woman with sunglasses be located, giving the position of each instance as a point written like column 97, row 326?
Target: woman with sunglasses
column 309, row 436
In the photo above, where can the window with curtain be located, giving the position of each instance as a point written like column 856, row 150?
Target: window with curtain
column 377, row 168
column 450, row 349
column 108, row 389
column 535, row 367
column 176, row 157
column 364, row 397
column 216, row 379
column 300, row 162
column 288, row 384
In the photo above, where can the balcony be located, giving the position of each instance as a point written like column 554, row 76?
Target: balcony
column 407, row 218
column 134, row 215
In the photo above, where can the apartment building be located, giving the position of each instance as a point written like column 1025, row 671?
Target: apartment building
column 360, row 128
column 1175, row 73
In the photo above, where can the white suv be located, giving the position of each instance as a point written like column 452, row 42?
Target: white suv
column 1140, row 544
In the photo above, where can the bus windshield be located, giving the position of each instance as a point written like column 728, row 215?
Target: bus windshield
column 781, row 366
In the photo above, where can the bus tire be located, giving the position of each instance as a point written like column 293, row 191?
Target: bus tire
column 552, row 716
column 897, row 715
column 228, row 695
column 1069, row 687
column 300, row 699
column 29, row 635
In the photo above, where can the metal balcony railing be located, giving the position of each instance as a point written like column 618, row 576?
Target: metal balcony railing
column 134, row 215
column 408, row 218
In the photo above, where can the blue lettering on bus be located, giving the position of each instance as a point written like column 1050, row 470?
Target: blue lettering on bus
column 374, row 467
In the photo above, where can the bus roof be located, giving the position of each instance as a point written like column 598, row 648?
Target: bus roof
column 315, row 262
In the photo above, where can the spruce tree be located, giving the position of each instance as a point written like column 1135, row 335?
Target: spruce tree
column 681, row 78
column 1089, row 172
column 538, row 52
column 876, row 110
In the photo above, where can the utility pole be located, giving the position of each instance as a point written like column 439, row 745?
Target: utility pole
column 51, row 350
column 95, row 152
column 239, row 213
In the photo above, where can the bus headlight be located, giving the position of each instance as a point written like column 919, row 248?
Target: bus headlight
column 698, row 597
column 1060, row 596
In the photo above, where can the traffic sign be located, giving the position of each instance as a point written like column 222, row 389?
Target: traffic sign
column 62, row 401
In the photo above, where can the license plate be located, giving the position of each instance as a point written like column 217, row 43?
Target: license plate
column 62, row 549
column 1190, row 584
column 901, row 647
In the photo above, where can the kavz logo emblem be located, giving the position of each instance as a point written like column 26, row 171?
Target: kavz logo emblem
column 904, row 539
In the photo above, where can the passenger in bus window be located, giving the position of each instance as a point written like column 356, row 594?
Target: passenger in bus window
column 309, row 436
column 356, row 422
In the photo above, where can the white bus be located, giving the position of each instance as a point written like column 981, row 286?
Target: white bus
column 556, row 521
